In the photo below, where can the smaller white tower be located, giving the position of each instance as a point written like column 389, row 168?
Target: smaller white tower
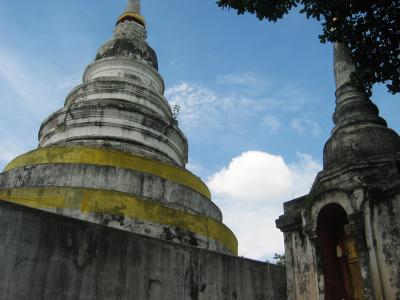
column 342, row 238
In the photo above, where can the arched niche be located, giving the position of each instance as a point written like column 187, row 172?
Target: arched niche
column 333, row 197
column 339, row 254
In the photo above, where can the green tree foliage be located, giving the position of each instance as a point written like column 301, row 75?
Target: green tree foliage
column 280, row 259
column 369, row 28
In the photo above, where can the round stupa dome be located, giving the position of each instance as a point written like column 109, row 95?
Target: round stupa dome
column 124, row 47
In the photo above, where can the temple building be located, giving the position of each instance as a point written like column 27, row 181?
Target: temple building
column 342, row 240
column 104, row 207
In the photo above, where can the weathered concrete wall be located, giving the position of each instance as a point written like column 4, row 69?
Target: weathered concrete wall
column 386, row 236
column 47, row 256
column 301, row 267
column 302, row 276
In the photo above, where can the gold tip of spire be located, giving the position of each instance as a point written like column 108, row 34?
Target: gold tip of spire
column 132, row 13
column 132, row 16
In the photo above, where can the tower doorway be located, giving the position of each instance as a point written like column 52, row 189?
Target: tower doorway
column 340, row 258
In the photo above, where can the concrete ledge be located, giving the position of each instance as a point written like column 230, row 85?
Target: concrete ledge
column 130, row 213
column 138, row 184
column 47, row 256
column 122, row 89
column 107, row 157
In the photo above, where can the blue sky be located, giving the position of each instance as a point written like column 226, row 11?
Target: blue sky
column 256, row 98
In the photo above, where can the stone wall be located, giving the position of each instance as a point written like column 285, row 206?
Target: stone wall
column 385, row 233
column 47, row 256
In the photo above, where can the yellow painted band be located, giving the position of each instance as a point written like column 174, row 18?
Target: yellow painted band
column 105, row 157
column 120, row 204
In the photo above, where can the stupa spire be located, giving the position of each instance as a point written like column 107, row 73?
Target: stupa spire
column 133, row 6
column 343, row 65
column 352, row 104
column 359, row 131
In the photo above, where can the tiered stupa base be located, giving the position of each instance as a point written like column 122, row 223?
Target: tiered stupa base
column 119, row 190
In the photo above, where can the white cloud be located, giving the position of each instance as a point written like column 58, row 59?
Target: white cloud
column 245, row 79
column 203, row 108
column 250, row 192
column 298, row 126
column 271, row 122
column 250, row 175
column 291, row 97
column 305, row 125
column 198, row 104
column 241, row 98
